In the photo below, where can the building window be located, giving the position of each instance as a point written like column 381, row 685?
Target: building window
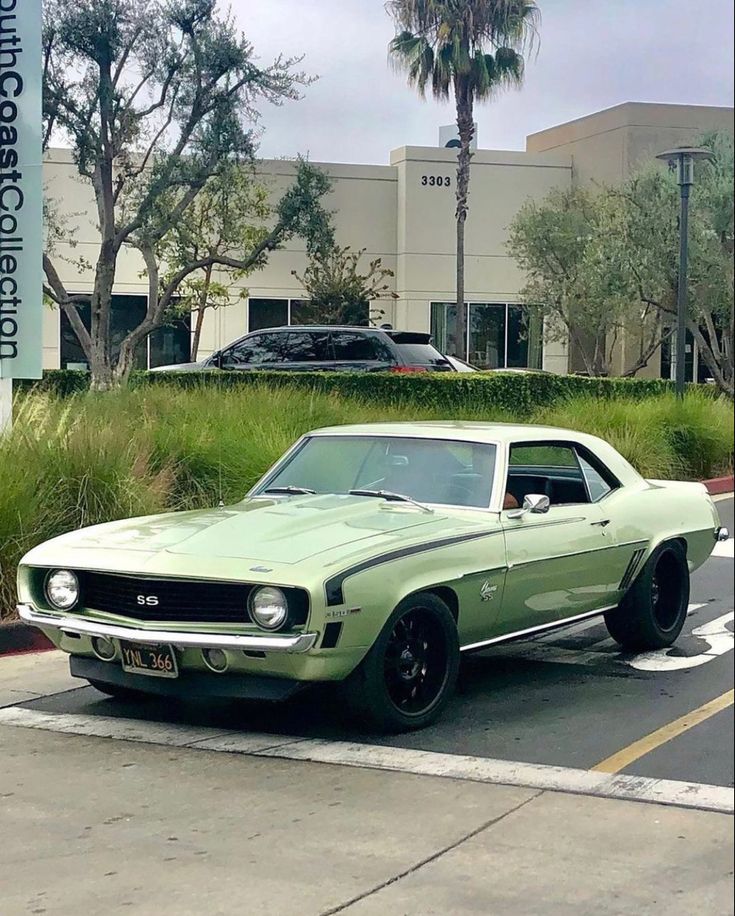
column 695, row 367
column 170, row 344
column 499, row 335
column 267, row 313
column 277, row 313
column 166, row 345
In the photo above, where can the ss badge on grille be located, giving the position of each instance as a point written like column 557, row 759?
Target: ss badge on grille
column 149, row 600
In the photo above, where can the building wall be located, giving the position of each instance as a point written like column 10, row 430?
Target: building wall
column 500, row 183
column 609, row 145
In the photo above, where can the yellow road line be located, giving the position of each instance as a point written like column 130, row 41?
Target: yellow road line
column 623, row 758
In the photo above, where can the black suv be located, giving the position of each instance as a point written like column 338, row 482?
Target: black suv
column 312, row 348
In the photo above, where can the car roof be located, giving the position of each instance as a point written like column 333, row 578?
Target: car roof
column 492, row 433
column 319, row 327
column 395, row 334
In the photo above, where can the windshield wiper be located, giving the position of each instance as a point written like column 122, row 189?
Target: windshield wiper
column 392, row 498
column 296, row 491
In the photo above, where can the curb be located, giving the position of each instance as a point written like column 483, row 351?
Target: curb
column 719, row 485
column 17, row 637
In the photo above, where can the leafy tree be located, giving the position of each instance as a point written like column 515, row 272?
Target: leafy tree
column 562, row 245
column 231, row 215
column 647, row 238
column 468, row 49
column 604, row 262
column 157, row 100
column 338, row 292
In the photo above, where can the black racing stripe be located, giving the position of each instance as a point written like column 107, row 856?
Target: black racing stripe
column 333, row 586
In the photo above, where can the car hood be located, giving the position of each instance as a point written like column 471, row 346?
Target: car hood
column 263, row 532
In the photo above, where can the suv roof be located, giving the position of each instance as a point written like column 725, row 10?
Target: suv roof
column 397, row 336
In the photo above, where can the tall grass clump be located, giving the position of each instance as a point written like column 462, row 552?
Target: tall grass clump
column 60, row 469
column 661, row 437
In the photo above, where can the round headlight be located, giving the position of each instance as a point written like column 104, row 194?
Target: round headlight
column 268, row 607
column 62, row 589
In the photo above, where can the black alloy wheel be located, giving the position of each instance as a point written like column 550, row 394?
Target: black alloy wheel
column 409, row 674
column 654, row 610
column 416, row 662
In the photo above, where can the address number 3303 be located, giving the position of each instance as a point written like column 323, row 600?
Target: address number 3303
column 436, row 181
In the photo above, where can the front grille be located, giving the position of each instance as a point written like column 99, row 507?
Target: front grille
column 178, row 600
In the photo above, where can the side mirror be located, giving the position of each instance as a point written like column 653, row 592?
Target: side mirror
column 534, row 503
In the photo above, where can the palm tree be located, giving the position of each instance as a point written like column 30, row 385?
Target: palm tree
column 470, row 49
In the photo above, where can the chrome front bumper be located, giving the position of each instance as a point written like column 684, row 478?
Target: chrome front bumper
column 302, row 642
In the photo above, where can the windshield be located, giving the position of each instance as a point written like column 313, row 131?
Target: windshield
column 438, row 471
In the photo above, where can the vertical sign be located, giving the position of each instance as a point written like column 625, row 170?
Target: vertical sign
column 21, row 190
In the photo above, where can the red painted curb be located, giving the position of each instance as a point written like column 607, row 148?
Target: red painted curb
column 719, row 485
column 17, row 637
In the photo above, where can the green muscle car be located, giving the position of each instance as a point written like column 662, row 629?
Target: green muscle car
column 374, row 556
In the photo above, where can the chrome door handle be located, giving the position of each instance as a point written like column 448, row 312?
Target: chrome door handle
column 603, row 524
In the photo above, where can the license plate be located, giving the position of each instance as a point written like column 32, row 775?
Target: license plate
column 158, row 661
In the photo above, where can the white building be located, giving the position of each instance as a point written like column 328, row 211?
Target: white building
column 403, row 213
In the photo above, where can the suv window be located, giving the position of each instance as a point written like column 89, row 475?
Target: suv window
column 350, row 346
column 306, row 347
column 254, row 351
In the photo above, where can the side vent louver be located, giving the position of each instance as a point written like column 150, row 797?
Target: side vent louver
column 631, row 570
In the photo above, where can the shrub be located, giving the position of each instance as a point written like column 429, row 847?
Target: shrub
column 520, row 393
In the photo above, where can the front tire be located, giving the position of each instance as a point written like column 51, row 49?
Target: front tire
column 653, row 612
column 409, row 674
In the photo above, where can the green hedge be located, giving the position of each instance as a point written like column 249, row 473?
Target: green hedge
column 517, row 392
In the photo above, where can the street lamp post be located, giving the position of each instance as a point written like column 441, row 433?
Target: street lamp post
column 682, row 159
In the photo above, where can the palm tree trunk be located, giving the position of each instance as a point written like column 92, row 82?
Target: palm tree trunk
column 466, row 129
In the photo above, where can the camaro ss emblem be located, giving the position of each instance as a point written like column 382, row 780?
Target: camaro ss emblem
column 487, row 592
column 148, row 600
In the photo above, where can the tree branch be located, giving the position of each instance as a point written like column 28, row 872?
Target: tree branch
column 66, row 302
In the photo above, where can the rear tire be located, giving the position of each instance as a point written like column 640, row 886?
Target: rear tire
column 118, row 693
column 653, row 612
column 409, row 674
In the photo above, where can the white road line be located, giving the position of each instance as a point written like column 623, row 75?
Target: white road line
column 574, row 630
column 402, row 760
column 541, row 650
column 718, row 637
column 725, row 549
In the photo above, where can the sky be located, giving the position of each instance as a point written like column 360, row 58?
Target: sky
column 592, row 54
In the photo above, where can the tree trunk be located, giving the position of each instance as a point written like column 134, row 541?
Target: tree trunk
column 197, row 334
column 200, row 313
column 466, row 129
column 101, row 363
column 101, row 370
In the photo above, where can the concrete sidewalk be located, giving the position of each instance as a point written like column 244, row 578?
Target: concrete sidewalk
column 105, row 826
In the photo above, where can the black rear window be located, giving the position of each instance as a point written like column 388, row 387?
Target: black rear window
column 422, row 354
column 351, row 346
